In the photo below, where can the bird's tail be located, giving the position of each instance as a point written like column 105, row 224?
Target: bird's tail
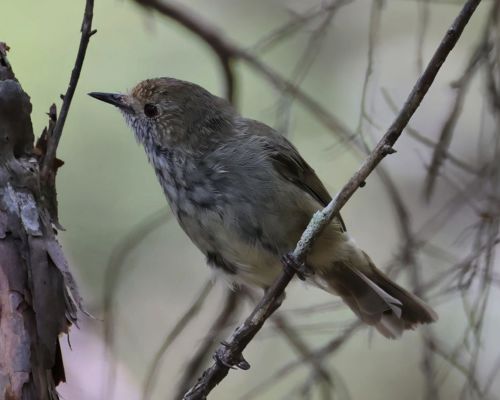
column 375, row 298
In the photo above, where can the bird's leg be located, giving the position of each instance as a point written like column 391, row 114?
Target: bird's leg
column 302, row 270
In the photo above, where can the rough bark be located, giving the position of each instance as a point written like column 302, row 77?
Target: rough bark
column 38, row 297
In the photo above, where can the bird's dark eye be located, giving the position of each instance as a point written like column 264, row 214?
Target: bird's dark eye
column 150, row 110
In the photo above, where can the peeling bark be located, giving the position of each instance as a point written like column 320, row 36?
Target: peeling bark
column 38, row 297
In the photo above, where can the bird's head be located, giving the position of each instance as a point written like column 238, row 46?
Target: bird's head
column 172, row 113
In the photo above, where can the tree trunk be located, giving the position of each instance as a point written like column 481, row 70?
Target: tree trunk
column 38, row 298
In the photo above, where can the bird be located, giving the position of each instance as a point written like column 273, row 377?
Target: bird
column 243, row 194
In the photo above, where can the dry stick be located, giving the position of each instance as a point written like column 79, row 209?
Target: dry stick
column 230, row 353
column 53, row 140
column 401, row 212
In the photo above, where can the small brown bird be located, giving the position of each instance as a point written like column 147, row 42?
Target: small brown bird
column 244, row 195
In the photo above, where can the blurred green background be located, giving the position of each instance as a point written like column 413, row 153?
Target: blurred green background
column 106, row 186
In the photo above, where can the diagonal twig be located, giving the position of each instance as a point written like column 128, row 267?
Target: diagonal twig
column 53, row 140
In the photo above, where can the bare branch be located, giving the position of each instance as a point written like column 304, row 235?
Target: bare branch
column 53, row 141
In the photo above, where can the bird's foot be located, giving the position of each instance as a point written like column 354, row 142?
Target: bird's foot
column 302, row 270
column 233, row 361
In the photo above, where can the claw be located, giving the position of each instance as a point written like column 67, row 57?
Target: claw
column 243, row 364
column 302, row 270
column 219, row 358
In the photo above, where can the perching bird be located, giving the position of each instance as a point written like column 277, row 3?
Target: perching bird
column 244, row 195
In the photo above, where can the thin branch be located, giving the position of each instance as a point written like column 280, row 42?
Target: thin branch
column 53, row 141
column 230, row 353
column 195, row 365
column 409, row 258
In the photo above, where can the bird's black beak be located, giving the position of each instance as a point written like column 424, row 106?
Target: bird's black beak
column 116, row 99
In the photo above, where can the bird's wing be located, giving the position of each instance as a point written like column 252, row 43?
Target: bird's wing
column 290, row 164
